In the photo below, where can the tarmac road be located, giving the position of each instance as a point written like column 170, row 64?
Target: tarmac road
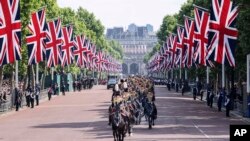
column 82, row 116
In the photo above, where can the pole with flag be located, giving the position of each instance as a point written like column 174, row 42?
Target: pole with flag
column 223, row 34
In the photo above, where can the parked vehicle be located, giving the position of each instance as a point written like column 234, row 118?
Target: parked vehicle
column 111, row 83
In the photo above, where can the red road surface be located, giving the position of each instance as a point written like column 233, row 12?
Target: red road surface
column 82, row 116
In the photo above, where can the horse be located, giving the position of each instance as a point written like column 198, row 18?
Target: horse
column 118, row 126
column 139, row 111
column 150, row 113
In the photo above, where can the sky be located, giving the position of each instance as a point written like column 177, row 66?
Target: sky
column 121, row 13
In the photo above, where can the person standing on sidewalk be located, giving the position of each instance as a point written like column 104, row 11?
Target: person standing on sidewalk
column 194, row 92
column 63, row 88
column 227, row 104
column 211, row 98
column 32, row 98
column 37, row 92
column 17, row 98
column 208, row 94
column 50, row 92
column 27, row 95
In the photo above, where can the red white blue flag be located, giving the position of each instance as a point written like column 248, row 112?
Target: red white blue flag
column 189, row 42
column 53, row 43
column 201, row 36
column 67, row 45
column 36, row 40
column 180, row 46
column 222, row 32
column 80, row 50
column 10, row 31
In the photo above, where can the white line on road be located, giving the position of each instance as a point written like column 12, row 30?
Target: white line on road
column 201, row 131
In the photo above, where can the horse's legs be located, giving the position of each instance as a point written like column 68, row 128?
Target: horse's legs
column 114, row 135
column 149, row 122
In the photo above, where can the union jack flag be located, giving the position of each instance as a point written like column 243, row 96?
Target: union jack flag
column 180, row 46
column 99, row 61
column 188, row 41
column 67, row 45
column 93, row 56
column 37, row 37
column 201, row 36
column 222, row 32
column 53, row 43
column 173, row 49
column 10, row 31
column 80, row 50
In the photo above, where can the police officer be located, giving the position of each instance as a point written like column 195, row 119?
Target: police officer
column 27, row 95
column 32, row 98
column 17, row 98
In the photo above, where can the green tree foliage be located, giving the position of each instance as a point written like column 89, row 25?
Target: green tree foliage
column 168, row 25
column 82, row 21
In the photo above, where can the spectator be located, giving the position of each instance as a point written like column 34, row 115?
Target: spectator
column 211, row 99
column 63, row 88
column 50, row 92
column 194, row 92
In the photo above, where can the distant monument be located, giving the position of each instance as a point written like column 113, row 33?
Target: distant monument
column 136, row 41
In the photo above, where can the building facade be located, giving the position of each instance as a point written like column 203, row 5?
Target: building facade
column 136, row 42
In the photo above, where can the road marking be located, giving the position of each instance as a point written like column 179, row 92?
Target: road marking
column 201, row 131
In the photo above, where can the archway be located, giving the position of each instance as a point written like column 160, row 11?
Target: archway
column 124, row 68
column 134, row 68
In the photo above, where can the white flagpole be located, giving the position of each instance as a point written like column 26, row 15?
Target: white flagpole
column 172, row 74
column 52, row 74
column 223, row 76
column 208, row 71
column 37, row 75
column 180, row 73
column 16, row 74
column 186, row 74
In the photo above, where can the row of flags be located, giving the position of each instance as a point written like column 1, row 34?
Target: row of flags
column 209, row 37
column 48, row 41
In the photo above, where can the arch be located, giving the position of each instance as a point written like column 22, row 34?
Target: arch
column 124, row 68
column 134, row 68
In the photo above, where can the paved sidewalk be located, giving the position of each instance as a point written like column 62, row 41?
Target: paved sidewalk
column 232, row 112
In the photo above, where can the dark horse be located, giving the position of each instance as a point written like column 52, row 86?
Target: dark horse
column 118, row 126
column 150, row 113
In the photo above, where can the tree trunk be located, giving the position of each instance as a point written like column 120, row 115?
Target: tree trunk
column 25, row 82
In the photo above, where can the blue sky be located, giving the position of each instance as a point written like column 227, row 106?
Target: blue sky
column 120, row 13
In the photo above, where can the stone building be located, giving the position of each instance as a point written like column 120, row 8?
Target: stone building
column 136, row 42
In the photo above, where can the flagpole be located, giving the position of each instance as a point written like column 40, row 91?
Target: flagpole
column 180, row 73
column 223, row 76
column 172, row 74
column 208, row 71
column 16, row 74
column 52, row 74
column 186, row 74
column 37, row 75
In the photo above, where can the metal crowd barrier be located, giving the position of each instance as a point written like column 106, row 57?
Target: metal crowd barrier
column 8, row 105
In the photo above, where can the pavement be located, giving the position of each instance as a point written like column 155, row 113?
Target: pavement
column 82, row 116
